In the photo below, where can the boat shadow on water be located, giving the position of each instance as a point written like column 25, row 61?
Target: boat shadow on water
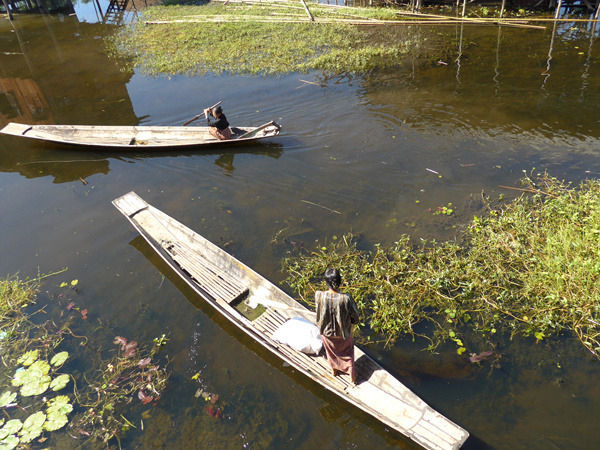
column 34, row 159
column 334, row 410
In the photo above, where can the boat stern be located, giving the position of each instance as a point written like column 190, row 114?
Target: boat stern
column 16, row 129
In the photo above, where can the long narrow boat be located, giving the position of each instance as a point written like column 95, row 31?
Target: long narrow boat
column 136, row 138
column 230, row 286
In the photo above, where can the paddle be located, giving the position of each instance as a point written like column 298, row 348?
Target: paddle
column 187, row 122
column 256, row 130
column 279, row 305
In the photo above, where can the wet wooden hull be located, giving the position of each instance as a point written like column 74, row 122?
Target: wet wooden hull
column 136, row 138
column 224, row 281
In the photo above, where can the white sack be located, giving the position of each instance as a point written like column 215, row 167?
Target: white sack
column 301, row 335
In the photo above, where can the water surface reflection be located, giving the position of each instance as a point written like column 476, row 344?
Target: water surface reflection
column 375, row 155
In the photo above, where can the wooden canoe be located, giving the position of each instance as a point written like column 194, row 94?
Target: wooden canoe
column 136, row 138
column 230, row 286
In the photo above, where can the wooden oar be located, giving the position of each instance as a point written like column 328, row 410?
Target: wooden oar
column 256, row 130
column 187, row 122
column 279, row 305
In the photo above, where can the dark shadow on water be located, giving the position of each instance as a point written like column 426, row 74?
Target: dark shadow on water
column 64, row 164
column 334, row 409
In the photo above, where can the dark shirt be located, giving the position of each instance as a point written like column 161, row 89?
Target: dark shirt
column 336, row 312
column 221, row 123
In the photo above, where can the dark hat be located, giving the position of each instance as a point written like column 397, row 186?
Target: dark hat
column 218, row 110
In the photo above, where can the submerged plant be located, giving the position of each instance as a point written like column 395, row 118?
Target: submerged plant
column 32, row 369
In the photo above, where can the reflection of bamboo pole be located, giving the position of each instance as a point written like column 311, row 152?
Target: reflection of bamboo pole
column 25, row 55
column 546, row 73
column 459, row 54
column 58, row 51
column 587, row 63
column 8, row 10
column 497, row 66
column 558, row 9
column 96, row 4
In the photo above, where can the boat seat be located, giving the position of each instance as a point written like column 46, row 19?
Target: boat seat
column 215, row 282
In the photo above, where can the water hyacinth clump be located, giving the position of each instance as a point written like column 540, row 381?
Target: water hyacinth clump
column 528, row 268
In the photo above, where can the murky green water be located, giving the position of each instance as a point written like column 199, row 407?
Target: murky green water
column 506, row 100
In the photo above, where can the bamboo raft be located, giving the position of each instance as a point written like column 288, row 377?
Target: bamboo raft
column 226, row 284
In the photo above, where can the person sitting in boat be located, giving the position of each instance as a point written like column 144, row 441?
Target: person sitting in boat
column 336, row 313
column 219, row 127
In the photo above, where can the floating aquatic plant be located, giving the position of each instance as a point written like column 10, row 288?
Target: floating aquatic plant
column 7, row 398
column 250, row 39
column 530, row 267
column 32, row 427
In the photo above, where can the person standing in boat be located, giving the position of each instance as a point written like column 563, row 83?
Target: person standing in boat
column 216, row 120
column 336, row 313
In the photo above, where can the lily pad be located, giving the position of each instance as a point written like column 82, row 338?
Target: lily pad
column 20, row 377
column 55, row 422
column 3, row 435
column 59, row 359
column 42, row 366
column 7, row 398
column 13, row 426
column 36, row 386
column 59, row 382
column 28, row 358
column 33, row 426
column 9, row 442
column 59, row 405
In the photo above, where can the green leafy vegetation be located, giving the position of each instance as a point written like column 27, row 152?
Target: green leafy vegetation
column 253, row 39
column 530, row 267
column 34, row 371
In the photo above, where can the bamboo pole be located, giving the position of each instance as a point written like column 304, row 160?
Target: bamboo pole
column 506, row 22
column 312, row 19
column 464, row 9
column 225, row 19
column 502, row 8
